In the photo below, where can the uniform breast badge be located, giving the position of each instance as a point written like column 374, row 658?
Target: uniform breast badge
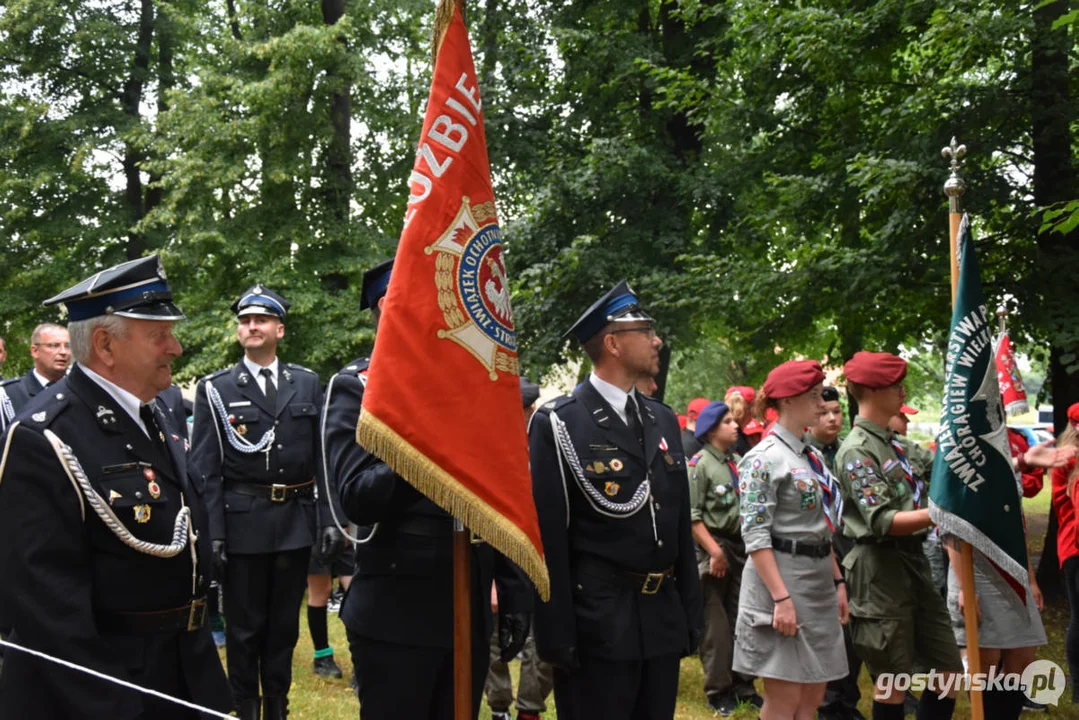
column 474, row 293
column 154, row 489
column 113, row 495
column 611, row 488
column 142, row 514
column 241, row 429
column 616, row 465
column 598, row 467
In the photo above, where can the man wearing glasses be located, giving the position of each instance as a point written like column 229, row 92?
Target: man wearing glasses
column 625, row 594
column 50, row 347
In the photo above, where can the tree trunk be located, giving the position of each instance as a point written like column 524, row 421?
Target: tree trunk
column 339, row 155
column 130, row 101
column 1054, row 182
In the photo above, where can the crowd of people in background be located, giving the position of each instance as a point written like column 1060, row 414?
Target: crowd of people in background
column 753, row 531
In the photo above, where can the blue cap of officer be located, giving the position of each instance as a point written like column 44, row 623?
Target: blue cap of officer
column 711, row 415
column 260, row 300
column 134, row 289
column 530, row 392
column 376, row 281
column 618, row 305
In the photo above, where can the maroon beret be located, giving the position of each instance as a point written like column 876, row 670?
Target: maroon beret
column 793, row 377
column 1073, row 414
column 875, row 370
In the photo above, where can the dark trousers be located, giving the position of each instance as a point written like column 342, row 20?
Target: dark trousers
column 263, row 594
column 720, row 612
column 406, row 682
column 842, row 695
column 603, row 689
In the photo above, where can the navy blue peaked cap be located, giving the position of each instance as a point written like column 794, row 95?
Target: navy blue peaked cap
column 134, row 289
column 260, row 300
column 376, row 281
column 618, row 305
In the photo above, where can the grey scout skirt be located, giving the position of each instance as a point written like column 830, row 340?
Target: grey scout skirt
column 815, row 654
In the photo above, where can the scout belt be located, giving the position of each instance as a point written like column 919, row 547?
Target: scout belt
column 274, row 493
column 644, row 583
column 800, row 547
column 186, row 618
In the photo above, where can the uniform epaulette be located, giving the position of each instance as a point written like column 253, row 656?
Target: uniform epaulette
column 10, row 381
column 557, row 403
column 355, row 367
column 649, row 398
column 694, row 460
column 294, row 366
column 47, row 411
column 215, row 374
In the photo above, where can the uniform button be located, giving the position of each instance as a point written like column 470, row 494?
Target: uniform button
column 657, row 506
column 579, row 587
column 59, row 396
column 138, row 495
column 659, row 543
column 280, row 447
column 393, row 566
column 201, row 579
column 276, row 422
column 281, row 471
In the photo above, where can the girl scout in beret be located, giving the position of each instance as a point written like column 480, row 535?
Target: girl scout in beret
column 793, row 599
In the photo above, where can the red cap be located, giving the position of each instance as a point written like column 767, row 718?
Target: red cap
column 1073, row 414
column 770, row 416
column 793, row 377
column 875, row 370
column 744, row 390
column 695, row 406
column 753, row 427
column 908, row 410
column 682, row 419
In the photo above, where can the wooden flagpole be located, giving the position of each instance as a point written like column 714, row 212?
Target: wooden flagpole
column 462, row 622
column 954, row 188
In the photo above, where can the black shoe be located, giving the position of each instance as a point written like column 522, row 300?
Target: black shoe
column 248, row 708
column 354, row 683
column 327, row 668
column 755, row 700
column 275, row 708
column 910, row 704
column 724, row 704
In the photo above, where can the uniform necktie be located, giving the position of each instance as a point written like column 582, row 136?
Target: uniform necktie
column 271, row 389
column 734, row 473
column 157, row 437
column 916, row 485
column 634, row 420
column 833, row 501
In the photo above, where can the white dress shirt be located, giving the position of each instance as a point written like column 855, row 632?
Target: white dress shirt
column 255, row 369
column 614, row 395
column 128, row 402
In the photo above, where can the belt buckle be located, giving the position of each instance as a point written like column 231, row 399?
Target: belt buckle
column 794, row 546
column 648, row 588
column 278, row 493
column 196, row 618
column 475, row 539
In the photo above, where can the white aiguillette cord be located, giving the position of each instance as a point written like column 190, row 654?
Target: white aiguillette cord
column 108, row 678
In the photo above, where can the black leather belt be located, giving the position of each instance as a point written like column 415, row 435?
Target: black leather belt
column 644, row 583
column 430, row 526
column 186, row 618
column 799, row 547
column 912, row 543
column 273, row 493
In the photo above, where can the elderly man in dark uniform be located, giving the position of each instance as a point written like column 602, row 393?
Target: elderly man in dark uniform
column 50, row 348
column 609, row 480
column 103, row 545
column 399, row 607
column 256, row 444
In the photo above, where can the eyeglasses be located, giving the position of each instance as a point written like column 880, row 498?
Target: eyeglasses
column 647, row 330
column 53, row 347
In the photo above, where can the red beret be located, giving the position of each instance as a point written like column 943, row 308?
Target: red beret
column 682, row 422
column 793, row 377
column 1073, row 414
column 875, row 370
column 754, row 427
column 744, row 390
column 695, row 406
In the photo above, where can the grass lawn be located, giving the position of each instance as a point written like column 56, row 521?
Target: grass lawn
column 313, row 697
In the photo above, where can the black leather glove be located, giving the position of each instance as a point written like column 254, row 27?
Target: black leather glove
column 512, row 633
column 330, row 543
column 220, row 559
column 564, row 658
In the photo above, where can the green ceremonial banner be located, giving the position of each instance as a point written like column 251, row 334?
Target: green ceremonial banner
column 974, row 492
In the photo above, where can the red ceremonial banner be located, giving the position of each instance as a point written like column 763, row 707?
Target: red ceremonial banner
column 1012, row 391
column 442, row 405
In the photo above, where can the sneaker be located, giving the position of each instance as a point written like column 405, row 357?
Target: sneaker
column 219, row 638
column 354, row 684
column 723, row 704
column 755, row 700
column 1031, row 706
column 334, row 604
column 326, row 667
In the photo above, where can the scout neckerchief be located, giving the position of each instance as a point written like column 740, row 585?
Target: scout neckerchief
column 833, row 500
column 734, row 473
column 916, row 485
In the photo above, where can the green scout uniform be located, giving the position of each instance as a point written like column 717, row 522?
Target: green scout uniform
column 921, row 463
column 713, row 498
column 898, row 620
column 827, row 450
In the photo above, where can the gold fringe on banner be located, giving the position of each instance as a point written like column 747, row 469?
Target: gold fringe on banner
column 445, row 491
column 443, row 17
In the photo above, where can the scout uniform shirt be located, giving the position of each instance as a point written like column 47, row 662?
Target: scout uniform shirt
column 876, row 481
column 781, row 492
column 713, row 491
